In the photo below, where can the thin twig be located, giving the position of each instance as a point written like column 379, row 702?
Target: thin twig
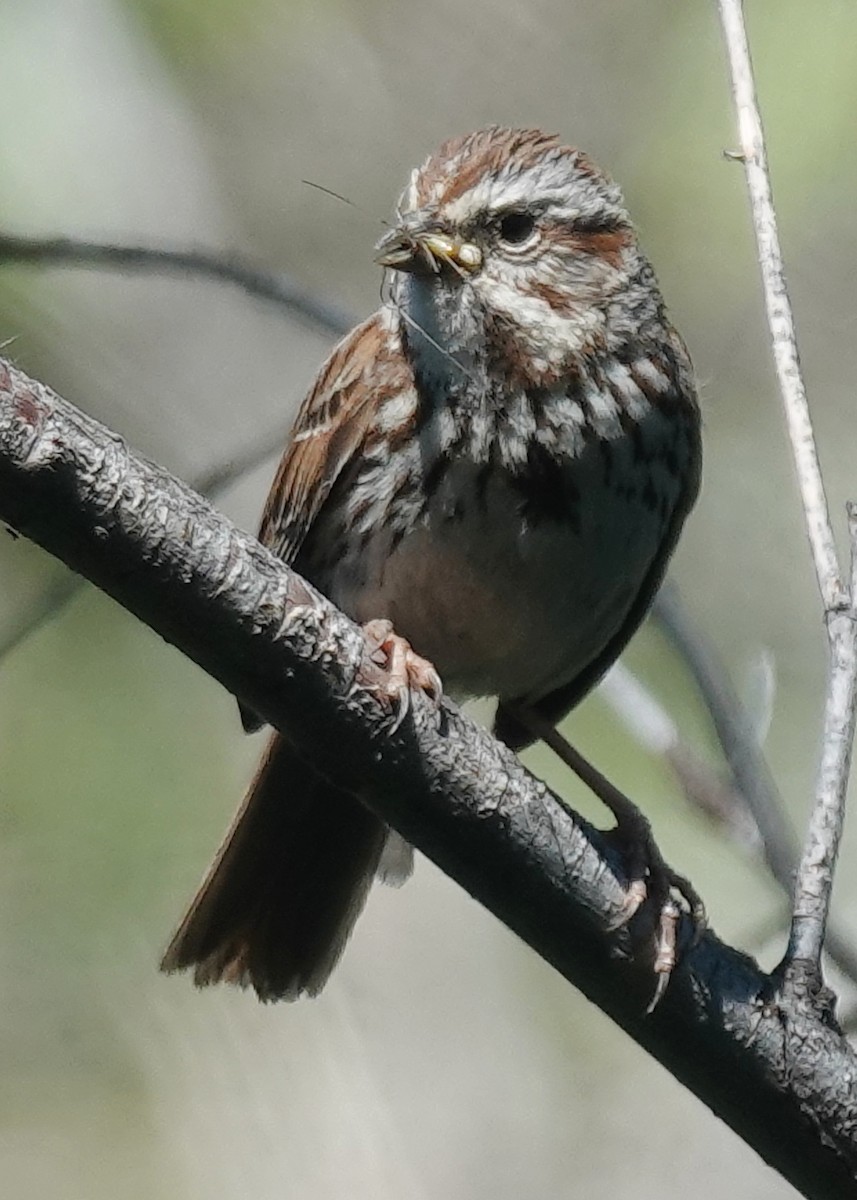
column 779, row 309
column 744, row 758
column 814, row 882
column 653, row 728
column 814, row 878
column 275, row 286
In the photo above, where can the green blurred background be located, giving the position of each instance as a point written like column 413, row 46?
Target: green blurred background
column 444, row 1059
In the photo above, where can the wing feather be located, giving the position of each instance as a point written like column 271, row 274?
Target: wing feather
column 364, row 369
column 332, row 425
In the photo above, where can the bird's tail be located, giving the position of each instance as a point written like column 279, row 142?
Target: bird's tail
column 280, row 899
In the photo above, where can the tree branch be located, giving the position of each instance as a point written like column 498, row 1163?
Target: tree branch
column 274, row 287
column 814, row 881
column 779, row 1075
column 750, row 773
column 778, row 306
column 277, row 287
column 653, row 728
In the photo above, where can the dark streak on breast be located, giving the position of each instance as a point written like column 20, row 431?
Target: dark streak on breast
column 547, row 489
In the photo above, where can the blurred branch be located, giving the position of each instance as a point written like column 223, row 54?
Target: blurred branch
column 53, row 600
column 746, row 762
column 275, row 286
column 654, row 729
column 814, row 880
column 778, row 1073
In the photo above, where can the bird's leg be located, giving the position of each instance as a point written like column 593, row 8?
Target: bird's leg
column 648, row 874
column 404, row 668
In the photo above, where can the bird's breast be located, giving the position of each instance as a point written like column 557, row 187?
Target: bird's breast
column 512, row 582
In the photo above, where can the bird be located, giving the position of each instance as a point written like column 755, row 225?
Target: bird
column 490, row 474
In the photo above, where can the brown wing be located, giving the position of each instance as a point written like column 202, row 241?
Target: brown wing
column 364, row 369
column 329, row 431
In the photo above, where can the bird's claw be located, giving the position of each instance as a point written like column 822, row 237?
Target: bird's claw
column 404, row 670
column 649, row 876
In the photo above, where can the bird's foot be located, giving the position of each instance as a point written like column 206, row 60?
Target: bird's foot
column 650, row 877
column 404, row 669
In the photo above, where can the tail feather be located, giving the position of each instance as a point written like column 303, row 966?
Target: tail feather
column 282, row 895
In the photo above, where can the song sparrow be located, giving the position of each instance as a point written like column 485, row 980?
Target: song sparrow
column 499, row 462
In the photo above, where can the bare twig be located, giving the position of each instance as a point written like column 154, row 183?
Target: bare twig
column 654, row 729
column 814, row 879
column 750, row 772
column 275, row 286
column 780, row 1077
column 778, row 305
column 815, row 874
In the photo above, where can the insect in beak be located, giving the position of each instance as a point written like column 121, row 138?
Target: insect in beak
column 416, row 251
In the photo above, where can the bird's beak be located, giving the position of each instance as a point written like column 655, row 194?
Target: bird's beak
column 425, row 251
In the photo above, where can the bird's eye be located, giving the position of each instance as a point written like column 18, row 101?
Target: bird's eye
column 516, row 227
